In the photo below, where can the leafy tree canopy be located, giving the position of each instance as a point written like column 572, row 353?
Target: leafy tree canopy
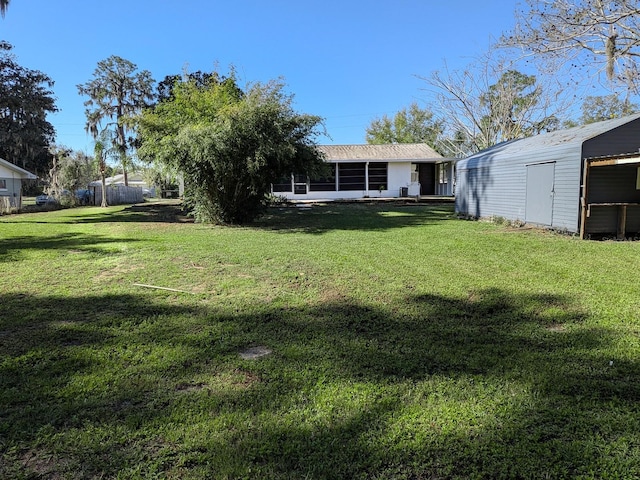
column 229, row 144
column 599, row 108
column 25, row 100
column 509, row 102
column 409, row 125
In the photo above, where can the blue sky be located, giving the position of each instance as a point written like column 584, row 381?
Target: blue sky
column 348, row 61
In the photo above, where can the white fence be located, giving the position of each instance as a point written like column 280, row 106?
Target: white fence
column 117, row 195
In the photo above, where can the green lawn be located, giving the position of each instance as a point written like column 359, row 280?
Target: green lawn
column 406, row 344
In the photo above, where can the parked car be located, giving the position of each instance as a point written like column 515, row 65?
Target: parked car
column 45, row 200
column 83, row 196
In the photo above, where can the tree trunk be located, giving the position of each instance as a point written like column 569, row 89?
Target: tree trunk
column 104, row 190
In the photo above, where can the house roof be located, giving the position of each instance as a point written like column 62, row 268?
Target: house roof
column 572, row 137
column 389, row 152
column 14, row 168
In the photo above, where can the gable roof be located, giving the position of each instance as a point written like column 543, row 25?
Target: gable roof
column 16, row 169
column 389, row 152
column 569, row 138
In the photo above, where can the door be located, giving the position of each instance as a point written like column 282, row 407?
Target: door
column 300, row 183
column 427, row 178
column 540, row 192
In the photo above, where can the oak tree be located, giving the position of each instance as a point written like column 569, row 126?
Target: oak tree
column 26, row 99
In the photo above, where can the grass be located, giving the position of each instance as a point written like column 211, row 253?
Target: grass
column 406, row 344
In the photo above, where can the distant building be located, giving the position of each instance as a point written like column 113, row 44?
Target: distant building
column 135, row 179
column 11, row 178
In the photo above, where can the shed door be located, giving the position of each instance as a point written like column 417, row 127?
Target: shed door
column 539, row 206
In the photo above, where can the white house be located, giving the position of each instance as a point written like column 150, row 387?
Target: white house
column 11, row 177
column 361, row 171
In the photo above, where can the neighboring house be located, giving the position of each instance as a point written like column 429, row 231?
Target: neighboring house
column 583, row 180
column 11, row 178
column 361, row 171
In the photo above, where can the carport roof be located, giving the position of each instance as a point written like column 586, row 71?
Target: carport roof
column 572, row 136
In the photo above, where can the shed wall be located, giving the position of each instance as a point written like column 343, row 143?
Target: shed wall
column 621, row 140
column 612, row 184
column 495, row 184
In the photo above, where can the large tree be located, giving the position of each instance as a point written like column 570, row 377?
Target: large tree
column 25, row 100
column 409, row 125
column 489, row 103
column 588, row 36
column 117, row 93
column 4, row 4
column 230, row 145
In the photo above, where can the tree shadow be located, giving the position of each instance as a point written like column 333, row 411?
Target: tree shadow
column 322, row 218
column 343, row 395
column 148, row 212
column 311, row 219
column 11, row 249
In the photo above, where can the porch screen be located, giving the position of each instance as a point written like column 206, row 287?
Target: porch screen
column 351, row 176
column 325, row 184
column 283, row 185
column 378, row 176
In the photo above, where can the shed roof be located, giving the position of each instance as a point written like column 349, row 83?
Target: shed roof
column 133, row 178
column 22, row 173
column 388, row 152
column 572, row 137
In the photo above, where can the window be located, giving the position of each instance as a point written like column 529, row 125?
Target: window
column 325, row 184
column 378, row 176
column 443, row 176
column 351, row 176
column 3, row 184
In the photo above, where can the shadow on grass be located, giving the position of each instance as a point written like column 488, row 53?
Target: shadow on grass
column 322, row 218
column 492, row 385
column 158, row 212
column 12, row 248
column 312, row 219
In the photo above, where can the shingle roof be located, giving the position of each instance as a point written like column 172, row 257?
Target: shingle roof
column 389, row 152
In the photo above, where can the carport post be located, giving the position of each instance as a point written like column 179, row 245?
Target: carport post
column 583, row 198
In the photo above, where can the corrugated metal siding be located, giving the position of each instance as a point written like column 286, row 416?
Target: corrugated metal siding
column 566, row 202
column 499, row 188
column 633, row 219
column 493, row 182
column 620, row 140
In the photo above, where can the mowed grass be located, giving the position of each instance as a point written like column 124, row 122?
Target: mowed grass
column 405, row 344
